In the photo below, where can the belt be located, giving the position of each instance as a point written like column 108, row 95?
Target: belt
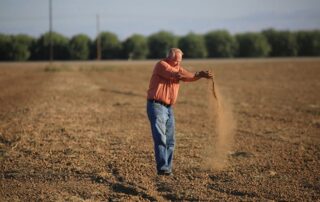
column 160, row 102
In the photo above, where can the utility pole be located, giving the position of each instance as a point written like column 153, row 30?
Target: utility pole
column 50, row 32
column 98, row 39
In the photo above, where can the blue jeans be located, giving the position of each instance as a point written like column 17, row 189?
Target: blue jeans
column 162, row 127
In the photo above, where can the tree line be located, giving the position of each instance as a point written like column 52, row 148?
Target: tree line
column 213, row 44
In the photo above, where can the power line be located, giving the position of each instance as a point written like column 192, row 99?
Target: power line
column 98, row 39
column 50, row 31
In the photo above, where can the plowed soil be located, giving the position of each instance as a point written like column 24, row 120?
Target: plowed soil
column 79, row 132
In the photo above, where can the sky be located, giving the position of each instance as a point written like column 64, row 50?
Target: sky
column 146, row 17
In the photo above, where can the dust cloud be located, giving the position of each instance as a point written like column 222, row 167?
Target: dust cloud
column 222, row 128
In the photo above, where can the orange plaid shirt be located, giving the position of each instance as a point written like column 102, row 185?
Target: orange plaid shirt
column 164, row 82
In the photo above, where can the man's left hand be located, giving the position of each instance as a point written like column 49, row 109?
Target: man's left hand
column 205, row 74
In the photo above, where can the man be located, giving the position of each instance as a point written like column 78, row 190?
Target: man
column 162, row 94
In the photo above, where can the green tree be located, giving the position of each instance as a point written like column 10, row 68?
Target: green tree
column 308, row 43
column 110, row 46
column 160, row 42
column 5, row 41
column 79, row 47
column 252, row 45
column 135, row 47
column 15, row 47
column 193, row 46
column 220, row 44
column 41, row 48
column 283, row 43
column 19, row 48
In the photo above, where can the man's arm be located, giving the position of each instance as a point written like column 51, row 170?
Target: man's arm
column 189, row 77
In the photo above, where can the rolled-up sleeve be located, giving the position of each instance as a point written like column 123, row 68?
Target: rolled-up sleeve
column 166, row 71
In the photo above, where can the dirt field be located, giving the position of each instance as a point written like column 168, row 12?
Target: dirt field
column 79, row 132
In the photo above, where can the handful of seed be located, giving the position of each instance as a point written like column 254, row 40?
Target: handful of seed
column 214, row 93
column 214, row 90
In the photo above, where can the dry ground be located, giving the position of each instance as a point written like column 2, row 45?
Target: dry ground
column 79, row 132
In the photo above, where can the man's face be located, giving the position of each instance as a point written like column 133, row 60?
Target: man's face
column 177, row 60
